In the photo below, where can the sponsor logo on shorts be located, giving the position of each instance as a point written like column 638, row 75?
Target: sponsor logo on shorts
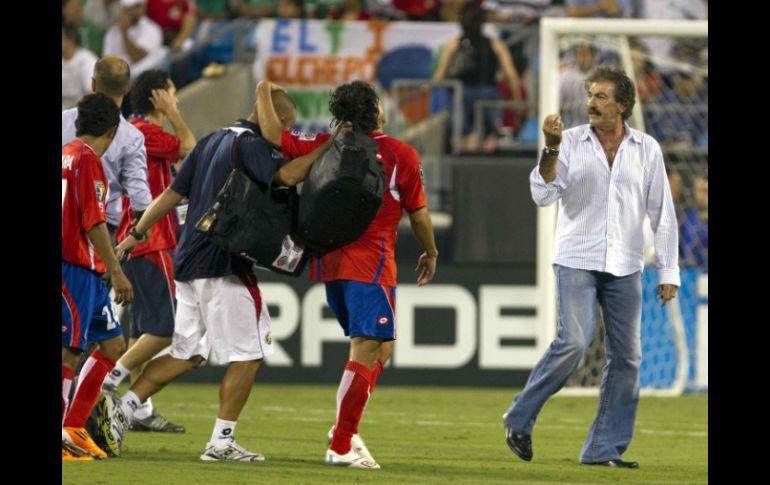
column 63, row 329
column 269, row 338
column 382, row 320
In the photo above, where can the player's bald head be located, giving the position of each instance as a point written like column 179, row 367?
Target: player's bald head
column 284, row 107
column 112, row 76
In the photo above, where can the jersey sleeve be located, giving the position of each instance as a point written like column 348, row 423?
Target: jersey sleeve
column 295, row 143
column 161, row 144
column 92, row 192
column 410, row 180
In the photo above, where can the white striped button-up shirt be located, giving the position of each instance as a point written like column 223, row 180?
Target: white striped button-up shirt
column 600, row 219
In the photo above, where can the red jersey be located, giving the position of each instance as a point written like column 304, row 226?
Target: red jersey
column 162, row 151
column 371, row 257
column 83, row 200
column 169, row 13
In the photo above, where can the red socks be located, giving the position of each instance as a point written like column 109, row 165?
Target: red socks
column 352, row 395
column 67, row 375
column 375, row 375
column 89, row 385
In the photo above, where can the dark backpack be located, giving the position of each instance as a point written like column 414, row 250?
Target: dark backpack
column 255, row 221
column 341, row 195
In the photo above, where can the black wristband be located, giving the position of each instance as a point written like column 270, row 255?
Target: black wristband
column 550, row 151
column 137, row 235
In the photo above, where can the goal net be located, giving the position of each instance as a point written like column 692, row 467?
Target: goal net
column 669, row 62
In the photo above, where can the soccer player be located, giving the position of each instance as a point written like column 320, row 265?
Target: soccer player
column 219, row 305
column 87, row 313
column 361, row 277
column 150, row 268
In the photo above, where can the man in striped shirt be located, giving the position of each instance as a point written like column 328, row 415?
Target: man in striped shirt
column 607, row 176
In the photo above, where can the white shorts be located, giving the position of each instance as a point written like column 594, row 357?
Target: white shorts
column 225, row 315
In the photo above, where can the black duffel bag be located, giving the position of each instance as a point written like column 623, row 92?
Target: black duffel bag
column 255, row 221
column 341, row 195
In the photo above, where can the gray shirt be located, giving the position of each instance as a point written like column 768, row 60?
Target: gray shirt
column 124, row 164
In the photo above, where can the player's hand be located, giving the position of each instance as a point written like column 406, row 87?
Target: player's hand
column 666, row 293
column 426, row 268
column 124, row 292
column 124, row 248
column 552, row 128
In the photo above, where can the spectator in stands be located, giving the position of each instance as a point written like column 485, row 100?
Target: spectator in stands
column 572, row 89
column 290, row 9
column 254, row 9
column 694, row 245
column 349, row 10
column 135, row 38
column 649, row 82
column 90, row 33
column 660, row 47
column 474, row 59
column 679, row 116
column 422, row 10
column 77, row 68
column 599, row 8
column 103, row 13
column 177, row 20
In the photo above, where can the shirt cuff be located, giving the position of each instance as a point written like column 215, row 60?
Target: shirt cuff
column 669, row 277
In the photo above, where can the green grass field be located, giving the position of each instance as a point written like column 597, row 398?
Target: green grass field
column 419, row 435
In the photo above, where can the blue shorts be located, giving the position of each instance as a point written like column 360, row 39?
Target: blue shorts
column 363, row 309
column 154, row 306
column 86, row 309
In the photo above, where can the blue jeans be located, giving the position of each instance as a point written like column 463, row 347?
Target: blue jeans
column 621, row 301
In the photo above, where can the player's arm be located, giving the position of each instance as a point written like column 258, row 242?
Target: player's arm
column 295, row 171
column 100, row 238
column 269, row 122
column 155, row 212
column 422, row 227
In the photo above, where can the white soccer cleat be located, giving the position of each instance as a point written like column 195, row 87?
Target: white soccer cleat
column 356, row 443
column 352, row 459
column 232, row 451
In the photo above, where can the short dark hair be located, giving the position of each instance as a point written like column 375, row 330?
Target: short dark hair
column 141, row 92
column 357, row 103
column 97, row 113
column 625, row 92
column 71, row 33
column 113, row 76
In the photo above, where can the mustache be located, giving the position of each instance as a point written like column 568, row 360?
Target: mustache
column 594, row 112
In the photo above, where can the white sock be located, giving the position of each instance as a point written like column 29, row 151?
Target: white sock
column 223, row 432
column 129, row 403
column 117, row 374
column 145, row 410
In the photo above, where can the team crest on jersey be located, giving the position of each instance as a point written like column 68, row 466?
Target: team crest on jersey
column 383, row 320
column 422, row 175
column 101, row 191
column 308, row 136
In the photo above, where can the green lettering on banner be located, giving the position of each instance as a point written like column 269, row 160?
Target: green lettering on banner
column 335, row 29
column 311, row 103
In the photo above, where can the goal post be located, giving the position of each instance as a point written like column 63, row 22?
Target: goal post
column 552, row 30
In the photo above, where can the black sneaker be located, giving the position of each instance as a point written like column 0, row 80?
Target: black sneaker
column 155, row 422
